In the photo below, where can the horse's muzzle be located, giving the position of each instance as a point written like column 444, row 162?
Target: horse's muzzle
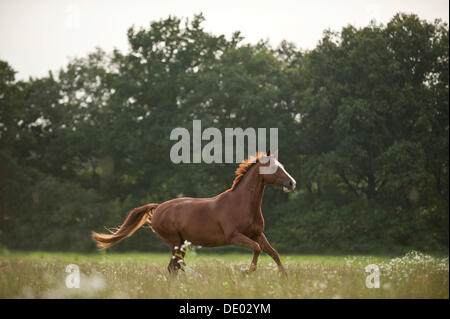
column 288, row 185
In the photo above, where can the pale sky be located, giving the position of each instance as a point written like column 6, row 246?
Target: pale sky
column 41, row 35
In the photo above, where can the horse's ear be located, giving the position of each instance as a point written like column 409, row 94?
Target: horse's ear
column 268, row 152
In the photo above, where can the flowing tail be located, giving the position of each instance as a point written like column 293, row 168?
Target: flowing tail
column 135, row 219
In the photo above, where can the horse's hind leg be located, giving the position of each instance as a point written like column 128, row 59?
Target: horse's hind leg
column 174, row 264
column 177, row 257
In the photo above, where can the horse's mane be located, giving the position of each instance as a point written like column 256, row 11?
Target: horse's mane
column 244, row 167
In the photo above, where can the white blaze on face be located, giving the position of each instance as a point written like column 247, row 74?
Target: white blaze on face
column 279, row 165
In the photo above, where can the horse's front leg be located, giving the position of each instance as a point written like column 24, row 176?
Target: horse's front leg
column 239, row 239
column 264, row 243
column 254, row 260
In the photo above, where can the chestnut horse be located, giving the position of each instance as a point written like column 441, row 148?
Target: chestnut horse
column 233, row 217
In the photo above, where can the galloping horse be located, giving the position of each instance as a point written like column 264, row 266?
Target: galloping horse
column 233, row 217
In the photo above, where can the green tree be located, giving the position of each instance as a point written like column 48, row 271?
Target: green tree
column 363, row 101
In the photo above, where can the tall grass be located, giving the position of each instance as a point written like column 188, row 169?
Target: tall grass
column 42, row 275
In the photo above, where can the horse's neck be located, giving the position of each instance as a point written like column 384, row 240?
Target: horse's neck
column 252, row 188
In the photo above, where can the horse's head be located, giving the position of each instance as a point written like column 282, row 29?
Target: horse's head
column 273, row 172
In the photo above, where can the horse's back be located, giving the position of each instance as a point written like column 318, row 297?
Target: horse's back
column 192, row 219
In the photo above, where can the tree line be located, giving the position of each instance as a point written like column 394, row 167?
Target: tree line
column 362, row 125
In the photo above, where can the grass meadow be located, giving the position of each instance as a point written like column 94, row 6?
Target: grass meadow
column 140, row 275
